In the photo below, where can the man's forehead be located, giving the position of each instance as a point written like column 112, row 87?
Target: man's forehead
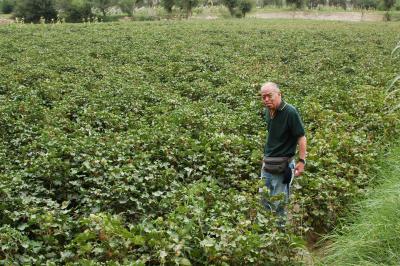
column 267, row 90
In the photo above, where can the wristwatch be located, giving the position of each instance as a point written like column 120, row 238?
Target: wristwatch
column 302, row 161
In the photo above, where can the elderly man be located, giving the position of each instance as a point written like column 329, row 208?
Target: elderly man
column 285, row 132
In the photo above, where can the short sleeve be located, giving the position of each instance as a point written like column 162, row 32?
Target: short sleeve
column 295, row 124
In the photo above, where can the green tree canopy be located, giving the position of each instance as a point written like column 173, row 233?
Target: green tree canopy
column 167, row 5
column 33, row 10
column 7, row 6
column 74, row 10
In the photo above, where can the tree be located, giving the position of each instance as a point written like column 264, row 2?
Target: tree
column 75, row 10
column 298, row 3
column 167, row 5
column 388, row 4
column 34, row 10
column 231, row 5
column 128, row 6
column 238, row 8
column 104, row 5
column 7, row 6
column 338, row 3
column 187, row 6
column 365, row 4
column 245, row 6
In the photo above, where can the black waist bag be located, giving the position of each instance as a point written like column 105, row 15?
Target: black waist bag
column 276, row 165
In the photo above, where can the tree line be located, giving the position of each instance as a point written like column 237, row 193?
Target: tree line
column 81, row 10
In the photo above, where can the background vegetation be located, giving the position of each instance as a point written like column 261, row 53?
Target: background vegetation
column 142, row 142
column 108, row 10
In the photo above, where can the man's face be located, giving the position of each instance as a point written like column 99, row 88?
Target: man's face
column 270, row 98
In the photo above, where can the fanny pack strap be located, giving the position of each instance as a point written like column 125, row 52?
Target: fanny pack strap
column 290, row 159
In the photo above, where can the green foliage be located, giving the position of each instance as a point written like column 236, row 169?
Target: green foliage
column 277, row 3
column 149, row 14
column 365, row 4
column 198, row 228
column 297, row 3
column 388, row 4
column 7, row 6
column 340, row 3
column 128, row 6
column 187, row 6
column 103, row 5
column 313, row 3
column 143, row 145
column 231, row 5
column 239, row 8
column 372, row 236
column 245, row 6
column 167, row 5
column 75, row 10
column 34, row 10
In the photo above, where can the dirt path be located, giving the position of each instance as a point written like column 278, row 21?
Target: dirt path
column 4, row 21
column 338, row 16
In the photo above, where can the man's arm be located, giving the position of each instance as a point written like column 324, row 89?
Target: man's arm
column 302, row 142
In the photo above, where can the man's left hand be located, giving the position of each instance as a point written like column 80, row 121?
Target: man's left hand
column 299, row 169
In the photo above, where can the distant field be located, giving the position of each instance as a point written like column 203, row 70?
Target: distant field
column 315, row 15
column 142, row 141
column 5, row 18
column 323, row 13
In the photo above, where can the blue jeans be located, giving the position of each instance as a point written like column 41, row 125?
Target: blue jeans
column 275, row 185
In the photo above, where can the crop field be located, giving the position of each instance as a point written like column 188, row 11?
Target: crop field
column 141, row 143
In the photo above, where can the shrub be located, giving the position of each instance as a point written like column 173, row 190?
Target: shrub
column 187, row 6
column 7, row 6
column 75, row 10
column 34, row 10
column 297, row 3
column 127, row 6
column 367, row 4
column 231, row 5
column 104, row 5
column 245, row 6
column 239, row 8
column 167, row 5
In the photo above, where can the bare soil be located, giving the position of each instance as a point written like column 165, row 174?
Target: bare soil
column 5, row 21
column 338, row 16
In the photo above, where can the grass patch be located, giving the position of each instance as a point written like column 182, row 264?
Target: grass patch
column 373, row 238
column 5, row 16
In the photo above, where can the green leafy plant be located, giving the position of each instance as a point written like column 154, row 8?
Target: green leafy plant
column 144, row 145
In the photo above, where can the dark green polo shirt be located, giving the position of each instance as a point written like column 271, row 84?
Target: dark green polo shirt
column 283, row 131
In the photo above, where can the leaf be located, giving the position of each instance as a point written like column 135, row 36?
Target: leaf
column 207, row 242
column 67, row 254
column 393, row 82
column 162, row 256
column 65, row 204
column 87, row 165
column 138, row 240
column 157, row 193
column 395, row 49
column 183, row 261
column 22, row 227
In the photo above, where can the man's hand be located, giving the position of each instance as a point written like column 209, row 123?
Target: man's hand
column 299, row 169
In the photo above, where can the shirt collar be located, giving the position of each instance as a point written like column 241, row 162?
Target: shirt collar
column 282, row 106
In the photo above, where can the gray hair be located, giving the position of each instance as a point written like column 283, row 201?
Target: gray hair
column 270, row 85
